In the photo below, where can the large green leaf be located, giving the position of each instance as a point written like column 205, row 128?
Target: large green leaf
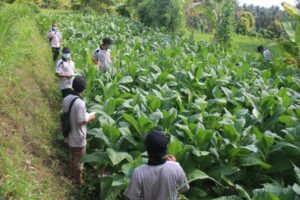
column 297, row 34
column 233, row 197
column 117, row 157
column 96, row 157
column 289, row 30
column 132, row 121
column 112, row 132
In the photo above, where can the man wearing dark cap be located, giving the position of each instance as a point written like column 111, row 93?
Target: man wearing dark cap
column 102, row 55
column 161, row 178
column 65, row 70
column 265, row 52
column 78, row 119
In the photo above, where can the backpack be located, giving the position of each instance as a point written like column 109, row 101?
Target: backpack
column 65, row 120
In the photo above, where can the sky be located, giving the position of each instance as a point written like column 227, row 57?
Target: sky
column 266, row 3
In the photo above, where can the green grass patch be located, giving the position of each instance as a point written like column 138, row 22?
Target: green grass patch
column 32, row 160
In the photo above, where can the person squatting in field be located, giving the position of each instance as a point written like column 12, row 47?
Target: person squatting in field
column 265, row 52
column 65, row 70
column 102, row 55
column 77, row 136
column 55, row 39
column 162, row 177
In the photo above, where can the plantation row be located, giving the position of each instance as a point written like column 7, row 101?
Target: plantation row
column 232, row 120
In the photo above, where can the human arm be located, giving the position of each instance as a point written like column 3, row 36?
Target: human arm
column 170, row 158
column 63, row 75
column 50, row 34
column 182, row 183
column 134, row 191
column 89, row 118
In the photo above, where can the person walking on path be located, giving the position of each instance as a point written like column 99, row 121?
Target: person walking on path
column 161, row 178
column 65, row 70
column 265, row 52
column 102, row 55
column 77, row 136
column 55, row 39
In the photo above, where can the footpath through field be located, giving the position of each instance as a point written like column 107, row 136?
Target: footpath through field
column 32, row 159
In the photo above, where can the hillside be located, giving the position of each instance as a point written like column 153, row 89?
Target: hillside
column 32, row 159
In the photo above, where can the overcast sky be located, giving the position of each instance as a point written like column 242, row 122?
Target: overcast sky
column 266, row 3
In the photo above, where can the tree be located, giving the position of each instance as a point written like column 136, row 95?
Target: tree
column 225, row 25
column 275, row 29
column 246, row 23
column 162, row 13
column 221, row 15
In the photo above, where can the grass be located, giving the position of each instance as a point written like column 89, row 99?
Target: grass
column 32, row 159
column 246, row 44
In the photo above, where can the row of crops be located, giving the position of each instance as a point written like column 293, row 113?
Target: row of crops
column 233, row 120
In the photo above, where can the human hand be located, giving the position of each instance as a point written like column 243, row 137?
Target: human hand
column 171, row 158
column 92, row 116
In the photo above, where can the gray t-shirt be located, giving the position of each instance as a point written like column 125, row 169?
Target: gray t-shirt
column 267, row 54
column 55, row 38
column 103, row 56
column 67, row 68
column 77, row 136
column 159, row 182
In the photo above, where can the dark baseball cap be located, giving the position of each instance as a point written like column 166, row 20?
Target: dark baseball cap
column 66, row 50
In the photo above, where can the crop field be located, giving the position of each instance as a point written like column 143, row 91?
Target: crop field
column 232, row 119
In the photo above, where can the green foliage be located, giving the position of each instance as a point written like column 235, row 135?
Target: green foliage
column 292, row 45
column 162, row 13
column 24, row 151
column 246, row 23
column 224, row 27
column 276, row 29
column 232, row 119
column 221, row 15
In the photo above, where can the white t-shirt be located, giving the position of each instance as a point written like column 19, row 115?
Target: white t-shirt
column 267, row 54
column 157, row 182
column 55, row 38
column 77, row 136
column 68, row 68
column 103, row 56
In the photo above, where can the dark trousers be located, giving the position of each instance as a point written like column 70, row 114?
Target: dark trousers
column 76, row 168
column 66, row 92
column 55, row 52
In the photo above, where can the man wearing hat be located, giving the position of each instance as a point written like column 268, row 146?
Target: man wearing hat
column 55, row 40
column 162, row 177
column 78, row 120
column 65, row 70
column 102, row 55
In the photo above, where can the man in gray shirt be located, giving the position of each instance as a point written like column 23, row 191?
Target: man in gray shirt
column 78, row 120
column 161, row 178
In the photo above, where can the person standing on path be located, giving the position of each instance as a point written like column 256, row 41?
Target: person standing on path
column 265, row 52
column 55, row 39
column 65, row 70
column 102, row 55
column 161, row 178
column 77, row 136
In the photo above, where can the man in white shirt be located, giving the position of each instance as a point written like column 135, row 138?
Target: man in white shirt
column 161, row 178
column 78, row 120
column 65, row 70
column 265, row 52
column 55, row 38
column 102, row 55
